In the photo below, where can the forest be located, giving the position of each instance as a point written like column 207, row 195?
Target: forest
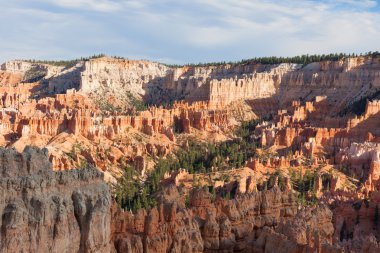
column 133, row 194
column 302, row 59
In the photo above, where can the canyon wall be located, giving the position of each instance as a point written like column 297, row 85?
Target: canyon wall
column 117, row 76
column 342, row 82
column 46, row 211
column 58, row 78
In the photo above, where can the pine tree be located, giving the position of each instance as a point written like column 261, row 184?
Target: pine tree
column 213, row 192
column 187, row 200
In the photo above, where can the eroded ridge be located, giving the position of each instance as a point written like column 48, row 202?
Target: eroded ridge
column 46, row 211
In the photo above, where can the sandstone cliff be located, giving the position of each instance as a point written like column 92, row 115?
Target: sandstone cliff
column 114, row 75
column 342, row 82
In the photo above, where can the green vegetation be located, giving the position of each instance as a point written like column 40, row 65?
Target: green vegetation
column 65, row 63
column 109, row 107
column 303, row 59
column 198, row 158
column 271, row 181
column 139, row 105
column 58, row 63
column 127, row 190
column 75, row 149
column 207, row 158
column 34, row 75
column 203, row 158
column 304, row 184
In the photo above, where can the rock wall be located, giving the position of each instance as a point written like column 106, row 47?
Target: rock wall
column 66, row 79
column 309, row 129
column 244, row 224
column 23, row 67
column 251, row 84
column 117, row 76
column 16, row 67
column 46, row 211
column 342, row 82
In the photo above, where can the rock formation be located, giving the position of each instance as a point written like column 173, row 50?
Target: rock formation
column 115, row 75
column 46, row 211
column 245, row 224
column 219, row 85
column 311, row 182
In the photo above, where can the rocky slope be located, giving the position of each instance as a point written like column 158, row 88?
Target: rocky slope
column 46, row 211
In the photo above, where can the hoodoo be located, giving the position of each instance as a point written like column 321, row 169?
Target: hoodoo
column 138, row 156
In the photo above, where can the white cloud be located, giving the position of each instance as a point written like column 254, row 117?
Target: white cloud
column 97, row 5
column 184, row 31
column 355, row 3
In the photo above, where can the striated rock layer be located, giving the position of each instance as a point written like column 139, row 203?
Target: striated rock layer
column 343, row 81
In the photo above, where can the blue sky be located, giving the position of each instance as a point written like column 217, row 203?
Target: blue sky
column 179, row 31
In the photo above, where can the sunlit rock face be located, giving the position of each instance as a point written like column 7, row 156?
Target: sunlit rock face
column 117, row 76
column 227, row 83
column 243, row 224
column 340, row 81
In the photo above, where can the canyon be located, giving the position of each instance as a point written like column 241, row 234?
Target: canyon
column 284, row 157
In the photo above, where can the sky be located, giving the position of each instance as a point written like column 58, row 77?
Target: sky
column 191, row 31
